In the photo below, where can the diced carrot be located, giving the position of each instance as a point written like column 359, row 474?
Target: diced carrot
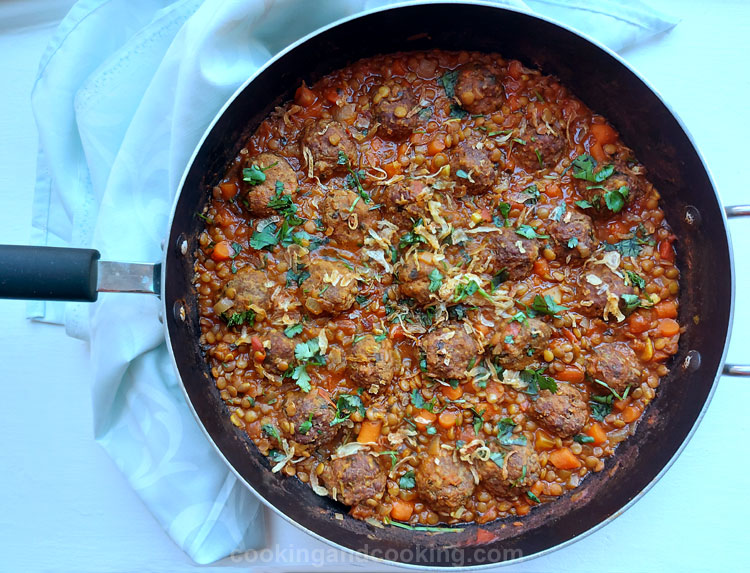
column 397, row 333
column 304, row 96
column 668, row 327
column 666, row 309
column 570, row 374
column 223, row 251
column 563, row 459
column 619, row 405
column 392, row 168
column 447, row 419
column 639, row 322
column 483, row 328
column 553, row 190
column 537, row 488
column 256, row 344
column 369, row 432
column 402, row 510
column 486, row 214
column 570, row 336
column 541, row 268
column 523, row 509
column 544, row 441
column 435, row 146
column 332, row 95
column 424, row 418
column 603, row 133
column 452, row 393
column 597, row 432
column 597, row 152
column 666, row 251
column 630, row 414
column 228, row 189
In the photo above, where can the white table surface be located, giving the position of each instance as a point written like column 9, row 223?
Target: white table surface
column 64, row 506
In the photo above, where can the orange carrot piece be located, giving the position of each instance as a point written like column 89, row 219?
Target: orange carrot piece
column 424, row 418
column 666, row 309
column 223, row 251
column 668, row 327
column 452, row 393
column 597, row 152
column 597, row 432
column 570, row 374
column 304, row 96
column 553, row 190
column 603, row 133
column 447, row 419
column 630, row 414
column 638, row 322
column 541, row 268
column 369, row 432
column 564, row 459
column 544, row 441
column 228, row 189
column 402, row 510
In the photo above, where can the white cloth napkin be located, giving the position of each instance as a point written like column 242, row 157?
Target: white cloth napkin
column 124, row 92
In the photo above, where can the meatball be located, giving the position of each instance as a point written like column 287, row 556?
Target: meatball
column 370, row 363
column 404, row 202
column 347, row 214
column 506, row 250
column 520, row 343
column 331, row 287
column 563, row 413
column 279, row 352
column 444, row 483
column 479, row 89
column 354, row 479
column 394, row 108
column 310, row 416
column 248, row 289
column 274, row 170
column 471, row 169
column 601, row 292
column 573, row 235
column 449, row 351
column 325, row 139
column 517, row 471
column 414, row 280
column 627, row 180
column 616, row 364
column 540, row 151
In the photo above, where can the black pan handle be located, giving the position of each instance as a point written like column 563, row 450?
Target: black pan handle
column 737, row 369
column 75, row 275
column 48, row 273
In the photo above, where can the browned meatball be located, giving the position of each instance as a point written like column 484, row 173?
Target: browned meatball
column 325, row 138
column 354, row 479
column 394, row 106
column 479, row 89
column 403, row 202
column 331, row 287
column 573, row 235
column 371, row 363
column 563, row 413
column 347, row 214
column 250, row 289
column 539, row 151
column 449, row 351
column 517, row 471
column 444, row 483
column 471, row 169
column 274, row 169
column 520, row 343
column 310, row 416
column 596, row 286
column 616, row 364
column 628, row 180
column 414, row 280
column 507, row 250
column 279, row 352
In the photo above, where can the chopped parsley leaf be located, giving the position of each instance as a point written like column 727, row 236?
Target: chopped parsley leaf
column 583, row 439
column 533, row 192
column 436, row 280
column 239, row 318
column 256, row 175
column 346, row 404
column 293, row 330
column 536, row 380
column 529, row 232
column 505, row 434
column 584, row 166
column 271, row 432
column 547, row 305
column 636, row 280
column 558, row 212
column 306, row 426
column 407, row 480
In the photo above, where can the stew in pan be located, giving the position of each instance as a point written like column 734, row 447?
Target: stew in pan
column 437, row 288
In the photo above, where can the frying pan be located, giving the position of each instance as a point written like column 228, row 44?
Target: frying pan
column 603, row 81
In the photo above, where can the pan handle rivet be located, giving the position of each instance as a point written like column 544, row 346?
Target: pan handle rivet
column 179, row 311
column 692, row 216
column 692, row 361
column 182, row 245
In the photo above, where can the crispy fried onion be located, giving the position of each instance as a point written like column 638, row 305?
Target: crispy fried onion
column 315, row 484
column 349, row 449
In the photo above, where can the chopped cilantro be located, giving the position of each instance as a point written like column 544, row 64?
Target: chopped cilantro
column 583, row 439
column 239, row 318
column 457, row 111
column 558, row 212
column 536, row 380
column 529, row 232
column 498, row 458
column 600, row 408
column 615, row 199
column 478, row 420
column 505, row 434
column 306, row 426
column 636, row 280
column 346, row 404
column 436, row 280
column 547, row 305
column 271, row 432
column 533, row 497
column 407, row 480
column 293, row 330
column 572, row 242
column 265, row 238
column 256, row 175
column 462, row 174
column 448, row 81
column 276, row 456
column 533, row 192
column 297, row 277
column 584, row 166
column 418, row 401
